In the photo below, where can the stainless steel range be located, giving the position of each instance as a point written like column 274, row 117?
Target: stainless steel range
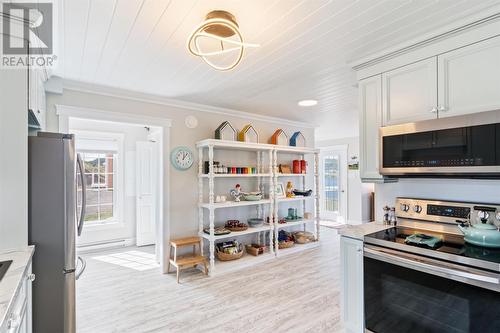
column 437, row 271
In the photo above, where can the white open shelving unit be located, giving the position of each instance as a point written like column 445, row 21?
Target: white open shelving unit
column 265, row 172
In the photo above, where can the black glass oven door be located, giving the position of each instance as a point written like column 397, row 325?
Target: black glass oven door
column 402, row 299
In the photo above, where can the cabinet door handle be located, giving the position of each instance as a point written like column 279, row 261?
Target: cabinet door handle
column 31, row 277
column 13, row 323
column 442, row 109
column 434, row 110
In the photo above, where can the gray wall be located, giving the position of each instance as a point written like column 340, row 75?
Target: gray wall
column 183, row 194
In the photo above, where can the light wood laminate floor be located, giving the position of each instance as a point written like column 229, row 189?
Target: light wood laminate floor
column 296, row 293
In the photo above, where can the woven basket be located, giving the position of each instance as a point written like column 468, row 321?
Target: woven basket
column 302, row 237
column 237, row 228
column 255, row 251
column 285, row 244
column 227, row 257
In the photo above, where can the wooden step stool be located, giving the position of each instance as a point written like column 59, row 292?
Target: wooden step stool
column 186, row 261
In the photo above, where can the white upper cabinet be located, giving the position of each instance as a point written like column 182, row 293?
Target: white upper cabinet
column 410, row 93
column 469, row 79
column 36, row 95
column 370, row 105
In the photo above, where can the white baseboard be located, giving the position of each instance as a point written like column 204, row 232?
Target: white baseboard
column 107, row 245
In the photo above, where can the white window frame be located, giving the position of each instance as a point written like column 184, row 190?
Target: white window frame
column 118, row 190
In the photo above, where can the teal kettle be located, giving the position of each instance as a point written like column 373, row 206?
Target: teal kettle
column 481, row 234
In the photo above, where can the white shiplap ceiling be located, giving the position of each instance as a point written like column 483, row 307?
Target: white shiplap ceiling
column 140, row 45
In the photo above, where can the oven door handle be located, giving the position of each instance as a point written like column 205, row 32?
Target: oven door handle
column 427, row 265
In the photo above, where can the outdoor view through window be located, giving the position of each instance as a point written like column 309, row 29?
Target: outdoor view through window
column 100, row 186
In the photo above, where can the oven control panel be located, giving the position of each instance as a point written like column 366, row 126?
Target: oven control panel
column 447, row 211
column 450, row 211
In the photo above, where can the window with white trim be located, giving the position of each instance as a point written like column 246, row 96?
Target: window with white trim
column 100, row 157
column 100, row 185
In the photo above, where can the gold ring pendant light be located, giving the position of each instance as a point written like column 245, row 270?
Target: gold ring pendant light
column 220, row 26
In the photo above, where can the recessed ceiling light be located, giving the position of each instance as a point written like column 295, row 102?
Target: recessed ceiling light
column 308, row 102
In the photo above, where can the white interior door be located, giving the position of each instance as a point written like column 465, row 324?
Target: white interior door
column 333, row 175
column 146, row 188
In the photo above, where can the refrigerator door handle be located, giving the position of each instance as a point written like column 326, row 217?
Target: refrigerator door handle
column 84, row 193
column 84, row 265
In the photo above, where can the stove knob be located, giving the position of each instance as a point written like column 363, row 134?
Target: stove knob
column 417, row 209
column 483, row 216
column 497, row 216
column 404, row 207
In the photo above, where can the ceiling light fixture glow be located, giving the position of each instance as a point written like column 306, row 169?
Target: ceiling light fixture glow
column 308, row 102
column 220, row 26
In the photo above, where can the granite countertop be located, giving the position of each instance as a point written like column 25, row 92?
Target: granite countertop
column 11, row 282
column 358, row 231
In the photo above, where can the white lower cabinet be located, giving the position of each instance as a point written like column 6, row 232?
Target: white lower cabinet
column 19, row 319
column 469, row 79
column 351, row 261
column 370, row 106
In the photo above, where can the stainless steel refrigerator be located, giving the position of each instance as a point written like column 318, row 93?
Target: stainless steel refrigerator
column 53, row 228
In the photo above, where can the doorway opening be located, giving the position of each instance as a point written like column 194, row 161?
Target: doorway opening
column 333, row 185
column 122, row 187
column 126, row 181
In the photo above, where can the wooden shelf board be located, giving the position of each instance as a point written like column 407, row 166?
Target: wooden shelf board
column 295, row 174
column 227, row 175
column 231, row 145
column 296, row 150
column 238, row 233
column 230, row 204
column 293, row 223
column 297, row 198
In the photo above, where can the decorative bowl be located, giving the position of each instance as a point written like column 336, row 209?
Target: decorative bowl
column 303, row 193
column 252, row 197
column 255, row 222
column 218, row 231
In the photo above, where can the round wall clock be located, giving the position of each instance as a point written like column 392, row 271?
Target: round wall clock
column 181, row 158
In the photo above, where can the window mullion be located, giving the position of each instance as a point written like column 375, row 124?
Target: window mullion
column 99, row 188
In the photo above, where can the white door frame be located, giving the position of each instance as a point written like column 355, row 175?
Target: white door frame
column 343, row 182
column 65, row 112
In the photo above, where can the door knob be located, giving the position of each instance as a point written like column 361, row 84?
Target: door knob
column 442, row 108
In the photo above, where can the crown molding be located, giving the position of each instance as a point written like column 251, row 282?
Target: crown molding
column 175, row 103
column 112, row 116
column 450, row 30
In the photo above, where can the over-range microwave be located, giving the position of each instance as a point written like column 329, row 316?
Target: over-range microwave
column 461, row 146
